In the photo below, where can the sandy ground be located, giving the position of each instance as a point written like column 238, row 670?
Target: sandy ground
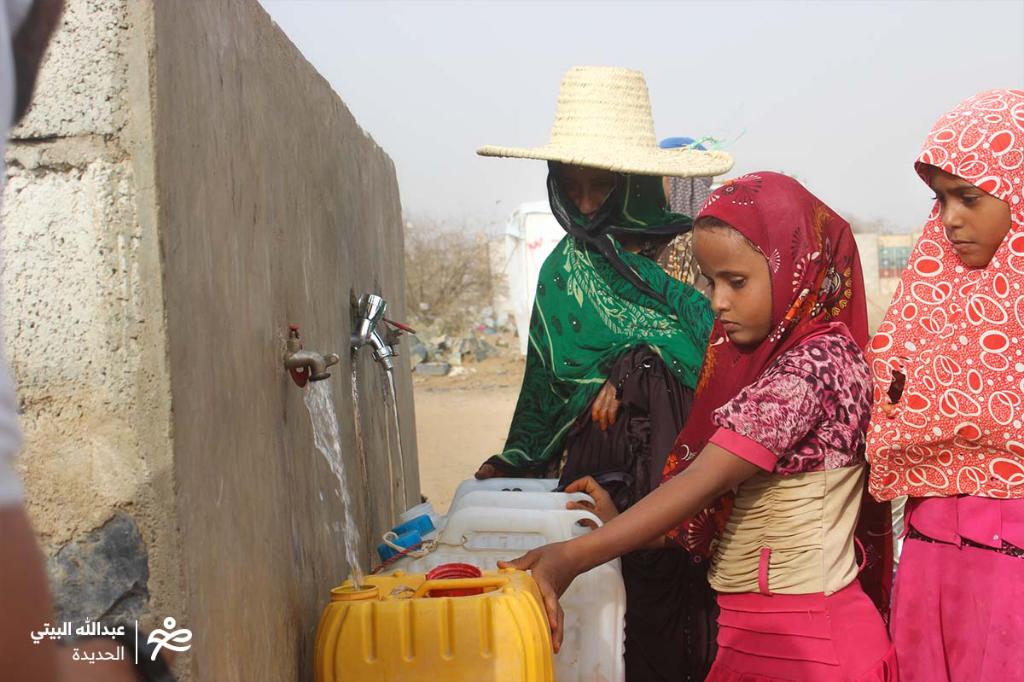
column 461, row 421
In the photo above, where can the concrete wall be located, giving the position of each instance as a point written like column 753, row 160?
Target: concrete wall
column 185, row 187
column 275, row 207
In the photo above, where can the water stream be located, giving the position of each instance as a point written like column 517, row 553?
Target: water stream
column 327, row 438
column 357, row 417
column 393, row 395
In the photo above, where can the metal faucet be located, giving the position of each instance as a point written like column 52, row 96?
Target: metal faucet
column 306, row 365
column 383, row 341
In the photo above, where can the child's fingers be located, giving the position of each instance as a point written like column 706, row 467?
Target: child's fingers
column 602, row 404
column 598, row 414
column 606, row 412
column 585, row 506
column 522, row 563
column 560, row 631
column 555, row 619
column 612, row 411
column 587, row 485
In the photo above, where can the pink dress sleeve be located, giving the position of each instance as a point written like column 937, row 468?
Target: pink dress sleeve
column 768, row 418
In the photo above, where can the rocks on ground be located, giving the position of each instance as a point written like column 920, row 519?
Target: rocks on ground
column 435, row 353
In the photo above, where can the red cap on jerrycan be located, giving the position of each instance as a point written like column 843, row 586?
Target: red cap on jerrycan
column 453, row 571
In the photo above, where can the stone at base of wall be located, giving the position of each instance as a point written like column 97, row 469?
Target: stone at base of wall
column 103, row 574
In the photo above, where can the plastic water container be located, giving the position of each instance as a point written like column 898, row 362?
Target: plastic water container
column 422, row 524
column 487, row 535
column 513, row 493
column 526, row 485
column 402, row 542
column 453, row 571
column 415, row 628
column 516, row 500
column 422, row 509
column 517, row 530
column 594, row 605
column 405, row 536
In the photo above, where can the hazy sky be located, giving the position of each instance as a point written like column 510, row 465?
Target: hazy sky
column 839, row 93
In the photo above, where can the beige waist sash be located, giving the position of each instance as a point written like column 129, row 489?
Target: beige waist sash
column 791, row 534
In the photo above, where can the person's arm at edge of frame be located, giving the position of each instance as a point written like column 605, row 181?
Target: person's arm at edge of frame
column 26, row 602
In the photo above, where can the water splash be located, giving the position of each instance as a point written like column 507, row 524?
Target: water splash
column 327, row 438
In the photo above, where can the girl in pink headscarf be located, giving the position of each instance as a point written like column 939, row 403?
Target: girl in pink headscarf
column 779, row 416
column 947, row 428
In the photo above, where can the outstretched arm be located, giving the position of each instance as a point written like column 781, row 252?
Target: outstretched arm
column 712, row 474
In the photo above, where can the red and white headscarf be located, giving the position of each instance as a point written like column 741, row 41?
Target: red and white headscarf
column 957, row 332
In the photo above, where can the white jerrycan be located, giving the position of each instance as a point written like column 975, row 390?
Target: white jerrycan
column 595, row 603
column 502, row 499
column 526, row 485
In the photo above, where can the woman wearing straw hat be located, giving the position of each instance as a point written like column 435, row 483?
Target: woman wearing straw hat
column 616, row 346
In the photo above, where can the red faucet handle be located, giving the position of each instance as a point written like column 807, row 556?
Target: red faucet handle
column 398, row 325
column 300, row 376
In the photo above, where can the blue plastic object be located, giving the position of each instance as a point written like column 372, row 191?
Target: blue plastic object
column 405, row 541
column 676, row 142
column 421, row 524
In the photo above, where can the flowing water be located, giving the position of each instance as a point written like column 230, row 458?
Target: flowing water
column 327, row 438
column 393, row 395
column 357, row 421
column 357, row 417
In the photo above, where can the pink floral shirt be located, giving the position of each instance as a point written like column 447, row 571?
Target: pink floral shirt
column 808, row 412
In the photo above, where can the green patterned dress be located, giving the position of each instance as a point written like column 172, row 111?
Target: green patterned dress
column 585, row 317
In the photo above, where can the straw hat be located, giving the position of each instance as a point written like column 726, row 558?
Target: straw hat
column 604, row 120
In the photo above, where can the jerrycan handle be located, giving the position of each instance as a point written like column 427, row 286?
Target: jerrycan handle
column 459, row 584
column 554, row 525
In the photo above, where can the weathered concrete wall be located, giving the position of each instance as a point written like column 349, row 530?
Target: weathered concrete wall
column 274, row 208
column 185, row 187
column 83, row 321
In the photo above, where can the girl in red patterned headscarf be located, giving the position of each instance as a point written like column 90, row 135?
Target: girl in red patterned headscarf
column 780, row 417
column 948, row 425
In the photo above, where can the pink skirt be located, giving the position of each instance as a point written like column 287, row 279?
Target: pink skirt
column 958, row 614
column 802, row 638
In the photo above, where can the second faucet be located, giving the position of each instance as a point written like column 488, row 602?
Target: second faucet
column 383, row 341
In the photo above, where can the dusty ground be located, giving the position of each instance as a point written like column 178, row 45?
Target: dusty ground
column 462, row 420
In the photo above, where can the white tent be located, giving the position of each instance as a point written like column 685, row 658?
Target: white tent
column 531, row 234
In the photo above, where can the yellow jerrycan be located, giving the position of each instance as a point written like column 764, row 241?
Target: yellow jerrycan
column 433, row 628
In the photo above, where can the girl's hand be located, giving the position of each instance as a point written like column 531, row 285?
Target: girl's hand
column 605, row 408
column 603, row 507
column 713, row 473
column 553, row 569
